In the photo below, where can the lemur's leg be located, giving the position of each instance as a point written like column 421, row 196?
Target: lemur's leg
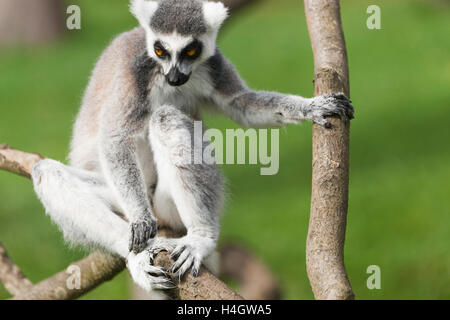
column 196, row 187
column 81, row 204
column 77, row 201
column 167, row 214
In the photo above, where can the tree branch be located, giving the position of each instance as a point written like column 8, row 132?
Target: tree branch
column 16, row 161
column 329, row 199
column 100, row 267
column 10, row 275
column 95, row 269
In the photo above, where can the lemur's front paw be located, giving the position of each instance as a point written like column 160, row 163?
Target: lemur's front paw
column 145, row 274
column 190, row 252
column 329, row 105
column 142, row 230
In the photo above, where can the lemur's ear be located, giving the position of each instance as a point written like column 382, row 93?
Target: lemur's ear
column 143, row 10
column 214, row 13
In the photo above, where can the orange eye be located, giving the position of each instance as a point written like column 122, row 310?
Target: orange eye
column 159, row 52
column 191, row 53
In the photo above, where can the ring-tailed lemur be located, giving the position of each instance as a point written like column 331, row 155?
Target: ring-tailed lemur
column 142, row 99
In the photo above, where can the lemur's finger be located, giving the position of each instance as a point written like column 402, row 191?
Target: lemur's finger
column 181, row 259
column 176, row 253
column 152, row 258
column 162, row 283
column 155, row 271
column 184, row 267
column 137, row 235
column 154, row 230
column 141, row 238
column 196, row 267
column 130, row 243
column 343, row 113
column 339, row 95
column 350, row 111
column 148, row 233
column 322, row 121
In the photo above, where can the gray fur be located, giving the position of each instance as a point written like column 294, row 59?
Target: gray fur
column 224, row 80
column 143, row 68
column 202, row 180
column 266, row 109
column 183, row 16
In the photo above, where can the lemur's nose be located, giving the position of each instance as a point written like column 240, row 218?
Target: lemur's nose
column 176, row 78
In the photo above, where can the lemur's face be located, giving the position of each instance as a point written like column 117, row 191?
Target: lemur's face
column 177, row 55
column 181, row 34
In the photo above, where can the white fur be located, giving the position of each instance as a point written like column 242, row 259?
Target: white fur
column 215, row 14
column 143, row 11
column 185, row 97
column 145, row 274
column 173, row 43
column 80, row 207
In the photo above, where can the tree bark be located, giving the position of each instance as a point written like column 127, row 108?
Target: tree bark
column 99, row 267
column 30, row 21
column 95, row 269
column 330, row 164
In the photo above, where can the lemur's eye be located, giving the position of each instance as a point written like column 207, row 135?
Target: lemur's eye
column 191, row 52
column 160, row 51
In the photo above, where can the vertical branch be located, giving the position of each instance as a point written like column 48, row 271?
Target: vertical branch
column 330, row 165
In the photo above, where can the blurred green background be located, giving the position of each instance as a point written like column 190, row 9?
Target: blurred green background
column 399, row 209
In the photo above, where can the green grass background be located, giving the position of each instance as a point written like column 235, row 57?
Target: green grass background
column 399, row 215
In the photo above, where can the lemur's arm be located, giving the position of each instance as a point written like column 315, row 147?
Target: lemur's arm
column 124, row 117
column 266, row 109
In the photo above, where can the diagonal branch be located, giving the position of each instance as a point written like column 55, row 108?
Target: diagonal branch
column 100, row 267
column 10, row 274
column 93, row 270
column 329, row 197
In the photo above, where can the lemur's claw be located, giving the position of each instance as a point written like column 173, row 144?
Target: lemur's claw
column 336, row 104
column 344, row 105
column 185, row 258
column 142, row 231
column 195, row 272
column 320, row 120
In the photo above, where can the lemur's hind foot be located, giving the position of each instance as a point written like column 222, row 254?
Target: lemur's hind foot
column 145, row 274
